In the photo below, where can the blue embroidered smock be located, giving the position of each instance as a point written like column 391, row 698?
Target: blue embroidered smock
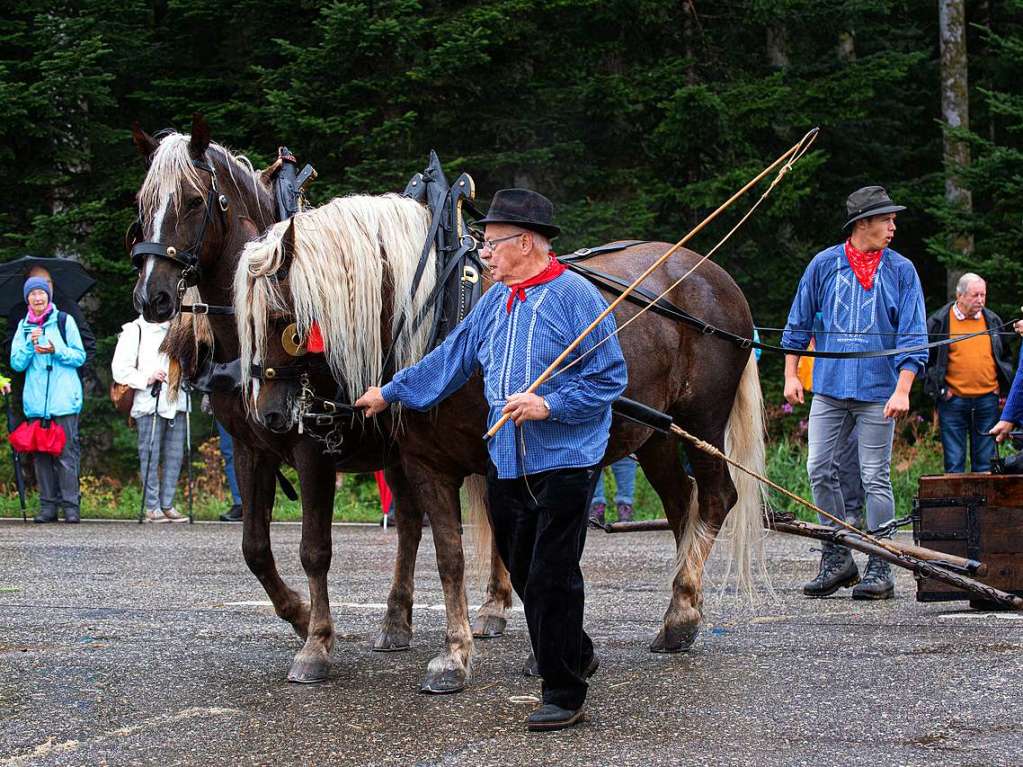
column 511, row 350
column 889, row 316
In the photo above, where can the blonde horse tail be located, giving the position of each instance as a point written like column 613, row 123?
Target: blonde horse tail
column 480, row 534
column 744, row 443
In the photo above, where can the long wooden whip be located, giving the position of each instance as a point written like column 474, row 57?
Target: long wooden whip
column 810, row 136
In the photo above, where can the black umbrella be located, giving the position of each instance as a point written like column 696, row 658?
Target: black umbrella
column 69, row 279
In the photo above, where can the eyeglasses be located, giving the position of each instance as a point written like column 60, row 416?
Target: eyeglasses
column 491, row 244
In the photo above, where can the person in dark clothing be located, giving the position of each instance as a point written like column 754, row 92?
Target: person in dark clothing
column 967, row 378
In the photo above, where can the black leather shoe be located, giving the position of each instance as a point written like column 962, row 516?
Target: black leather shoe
column 551, row 717
column 72, row 517
column 877, row 581
column 591, row 667
column 45, row 516
column 838, row 570
column 234, row 514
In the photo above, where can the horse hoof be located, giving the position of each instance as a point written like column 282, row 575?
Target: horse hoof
column 309, row 670
column 676, row 639
column 388, row 642
column 531, row 667
column 489, row 626
column 443, row 682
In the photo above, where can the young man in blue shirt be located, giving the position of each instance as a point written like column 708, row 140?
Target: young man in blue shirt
column 870, row 299
column 543, row 465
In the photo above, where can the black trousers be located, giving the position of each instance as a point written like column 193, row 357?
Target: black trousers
column 540, row 528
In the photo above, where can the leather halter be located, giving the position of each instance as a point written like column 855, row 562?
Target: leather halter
column 187, row 260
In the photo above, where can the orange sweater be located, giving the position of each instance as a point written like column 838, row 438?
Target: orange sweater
column 971, row 365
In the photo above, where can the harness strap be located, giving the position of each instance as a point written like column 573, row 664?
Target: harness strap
column 200, row 308
column 643, row 297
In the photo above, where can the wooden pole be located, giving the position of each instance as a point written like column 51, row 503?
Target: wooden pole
column 635, row 283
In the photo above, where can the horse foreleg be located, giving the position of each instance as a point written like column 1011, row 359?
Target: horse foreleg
column 316, row 475
column 257, row 483
column 491, row 619
column 449, row 671
column 396, row 629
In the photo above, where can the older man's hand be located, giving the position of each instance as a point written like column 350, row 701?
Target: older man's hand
column 372, row 402
column 524, row 407
column 1001, row 430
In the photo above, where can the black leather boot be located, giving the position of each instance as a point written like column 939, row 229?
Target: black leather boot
column 838, row 570
column 877, row 583
column 45, row 516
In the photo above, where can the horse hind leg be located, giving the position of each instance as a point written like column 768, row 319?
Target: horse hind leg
column 257, row 474
column 663, row 468
column 316, row 474
column 492, row 619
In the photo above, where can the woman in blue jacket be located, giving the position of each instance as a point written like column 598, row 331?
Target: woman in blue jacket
column 48, row 348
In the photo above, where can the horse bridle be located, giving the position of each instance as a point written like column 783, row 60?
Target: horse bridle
column 188, row 260
column 330, row 411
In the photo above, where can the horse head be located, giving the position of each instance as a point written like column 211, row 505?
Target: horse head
column 346, row 269
column 197, row 205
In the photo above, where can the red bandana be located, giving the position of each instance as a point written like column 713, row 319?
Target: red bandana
column 553, row 269
column 864, row 264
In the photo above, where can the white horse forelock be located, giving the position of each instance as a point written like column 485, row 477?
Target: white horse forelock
column 341, row 255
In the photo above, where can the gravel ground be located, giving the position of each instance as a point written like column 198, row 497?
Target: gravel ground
column 122, row 644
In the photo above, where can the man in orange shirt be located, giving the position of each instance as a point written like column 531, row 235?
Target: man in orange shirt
column 967, row 377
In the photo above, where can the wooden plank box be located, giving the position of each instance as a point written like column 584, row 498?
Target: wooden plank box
column 979, row 516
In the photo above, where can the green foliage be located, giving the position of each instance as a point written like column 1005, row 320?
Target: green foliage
column 636, row 118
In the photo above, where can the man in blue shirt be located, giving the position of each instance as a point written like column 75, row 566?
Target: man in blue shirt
column 870, row 299
column 543, row 466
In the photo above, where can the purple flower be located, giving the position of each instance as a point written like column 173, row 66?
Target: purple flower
column 804, row 424
column 918, row 418
column 786, row 408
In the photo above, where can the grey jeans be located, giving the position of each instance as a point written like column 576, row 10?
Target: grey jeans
column 831, row 421
column 168, row 443
column 57, row 475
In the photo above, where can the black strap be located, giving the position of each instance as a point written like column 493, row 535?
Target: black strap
column 201, row 308
column 584, row 253
column 643, row 297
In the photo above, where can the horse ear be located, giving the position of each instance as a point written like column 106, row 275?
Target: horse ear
column 200, row 140
column 145, row 143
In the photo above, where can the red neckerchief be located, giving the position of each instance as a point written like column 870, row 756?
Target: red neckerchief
column 553, row 269
column 864, row 264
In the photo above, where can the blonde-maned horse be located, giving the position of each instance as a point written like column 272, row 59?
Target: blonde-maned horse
column 346, row 265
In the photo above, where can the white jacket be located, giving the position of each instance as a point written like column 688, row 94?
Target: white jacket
column 140, row 340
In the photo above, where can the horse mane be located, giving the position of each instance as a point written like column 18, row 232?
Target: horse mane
column 186, row 339
column 171, row 172
column 346, row 256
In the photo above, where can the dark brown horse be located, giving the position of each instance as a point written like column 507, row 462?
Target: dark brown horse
column 337, row 266
column 201, row 200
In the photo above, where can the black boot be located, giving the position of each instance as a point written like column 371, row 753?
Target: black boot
column 234, row 514
column 838, row 570
column 878, row 582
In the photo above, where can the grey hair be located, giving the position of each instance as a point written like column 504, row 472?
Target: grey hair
column 964, row 282
column 540, row 241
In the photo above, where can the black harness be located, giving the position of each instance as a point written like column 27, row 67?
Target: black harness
column 188, row 260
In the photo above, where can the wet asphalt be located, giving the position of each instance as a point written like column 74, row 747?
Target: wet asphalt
column 123, row 644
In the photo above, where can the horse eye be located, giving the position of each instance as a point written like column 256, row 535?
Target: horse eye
column 194, row 203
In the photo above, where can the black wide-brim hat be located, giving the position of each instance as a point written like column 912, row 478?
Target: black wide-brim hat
column 525, row 208
column 869, row 201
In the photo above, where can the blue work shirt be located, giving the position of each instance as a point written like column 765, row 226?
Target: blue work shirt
column 888, row 316
column 512, row 349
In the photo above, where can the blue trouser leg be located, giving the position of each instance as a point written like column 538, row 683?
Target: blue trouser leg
column 227, row 451
column 625, row 480
column 982, row 445
column 954, row 419
column 149, row 457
